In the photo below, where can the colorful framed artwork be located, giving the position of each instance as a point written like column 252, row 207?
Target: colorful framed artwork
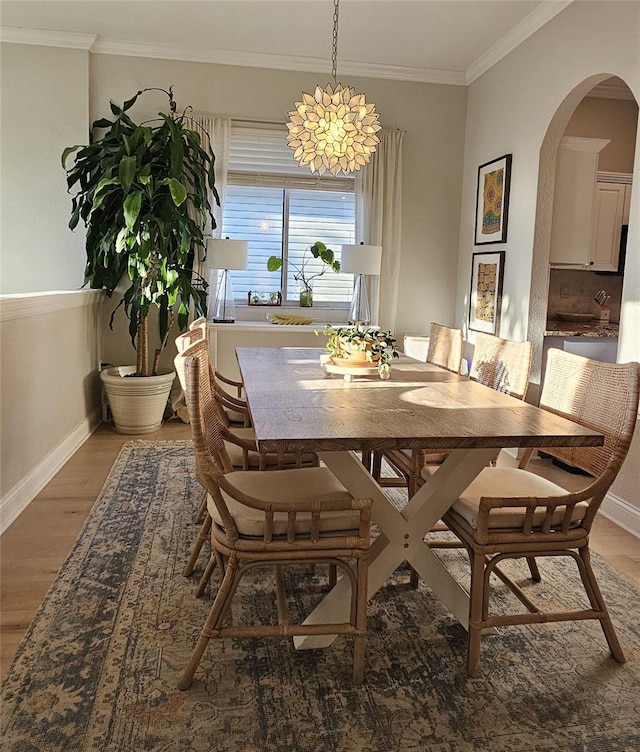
column 492, row 201
column 485, row 302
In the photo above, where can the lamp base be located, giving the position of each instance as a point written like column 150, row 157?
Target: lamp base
column 218, row 320
column 360, row 313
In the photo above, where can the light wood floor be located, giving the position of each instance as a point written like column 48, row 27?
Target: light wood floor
column 34, row 547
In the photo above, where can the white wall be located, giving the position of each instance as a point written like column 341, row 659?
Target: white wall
column 433, row 117
column 44, row 110
column 512, row 109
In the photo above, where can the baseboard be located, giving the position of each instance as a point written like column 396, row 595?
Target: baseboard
column 23, row 493
column 622, row 513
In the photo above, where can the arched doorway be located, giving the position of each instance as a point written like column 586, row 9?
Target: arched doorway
column 538, row 304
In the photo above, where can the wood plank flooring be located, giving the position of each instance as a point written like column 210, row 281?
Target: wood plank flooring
column 37, row 543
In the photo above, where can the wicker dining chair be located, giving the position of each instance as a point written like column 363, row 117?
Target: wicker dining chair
column 511, row 513
column 286, row 517
column 234, row 406
column 240, row 444
column 445, row 350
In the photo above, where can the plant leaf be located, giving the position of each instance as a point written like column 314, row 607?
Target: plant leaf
column 178, row 191
column 127, row 172
column 132, row 204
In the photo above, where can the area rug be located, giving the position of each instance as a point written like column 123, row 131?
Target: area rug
column 99, row 665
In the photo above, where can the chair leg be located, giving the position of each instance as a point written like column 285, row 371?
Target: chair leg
column 597, row 602
column 414, row 577
column 333, row 575
column 211, row 624
column 206, row 576
column 366, row 459
column 203, row 535
column 202, row 508
column 533, row 568
column 476, row 601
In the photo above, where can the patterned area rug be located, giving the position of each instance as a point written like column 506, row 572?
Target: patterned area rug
column 99, row 666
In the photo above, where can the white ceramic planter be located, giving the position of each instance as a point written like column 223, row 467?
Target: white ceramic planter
column 137, row 402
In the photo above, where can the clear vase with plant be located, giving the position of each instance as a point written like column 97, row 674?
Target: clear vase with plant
column 302, row 275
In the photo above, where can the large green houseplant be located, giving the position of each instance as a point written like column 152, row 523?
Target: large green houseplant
column 143, row 192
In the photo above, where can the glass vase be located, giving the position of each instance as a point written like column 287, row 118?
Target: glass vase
column 306, row 298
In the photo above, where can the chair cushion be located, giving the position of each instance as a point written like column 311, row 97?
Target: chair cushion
column 234, row 416
column 509, row 482
column 286, row 485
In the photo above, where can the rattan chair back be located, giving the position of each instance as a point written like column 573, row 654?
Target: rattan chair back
column 445, row 347
column 601, row 396
column 502, row 364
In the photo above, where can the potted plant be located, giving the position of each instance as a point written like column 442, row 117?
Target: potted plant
column 142, row 191
column 317, row 251
column 360, row 345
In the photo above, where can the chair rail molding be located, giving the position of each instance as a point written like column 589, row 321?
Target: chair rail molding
column 15, row 306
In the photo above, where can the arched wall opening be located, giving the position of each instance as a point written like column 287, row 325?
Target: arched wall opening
column 538, row 301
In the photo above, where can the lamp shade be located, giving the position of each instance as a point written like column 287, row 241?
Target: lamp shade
column 226, row 254
column 361, row 259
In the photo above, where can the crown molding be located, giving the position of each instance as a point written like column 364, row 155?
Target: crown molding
column 522, row 31
column 276, row 62
column 72, row 40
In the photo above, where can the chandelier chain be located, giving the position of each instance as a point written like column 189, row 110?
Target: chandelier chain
column 334, row 50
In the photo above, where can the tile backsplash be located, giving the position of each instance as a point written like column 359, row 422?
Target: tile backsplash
column 573, row 291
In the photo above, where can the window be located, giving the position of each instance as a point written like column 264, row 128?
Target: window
column 280, row 212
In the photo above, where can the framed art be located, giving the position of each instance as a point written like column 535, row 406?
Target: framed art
column 485, row 301
column 492, row 201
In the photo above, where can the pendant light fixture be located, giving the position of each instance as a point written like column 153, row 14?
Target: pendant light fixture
column 334, row 129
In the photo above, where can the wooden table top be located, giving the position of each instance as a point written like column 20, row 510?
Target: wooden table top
column 294, row 407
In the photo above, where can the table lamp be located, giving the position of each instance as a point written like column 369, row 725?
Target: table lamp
column 225, row 254
column 360, row 260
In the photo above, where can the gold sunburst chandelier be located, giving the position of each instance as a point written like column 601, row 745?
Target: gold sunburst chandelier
column 334, row 130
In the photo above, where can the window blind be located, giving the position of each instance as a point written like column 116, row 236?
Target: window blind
column 280, row 210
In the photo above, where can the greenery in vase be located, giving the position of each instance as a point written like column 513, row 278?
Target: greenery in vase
column 379, row 346
column 142, row 191
column 317, row 251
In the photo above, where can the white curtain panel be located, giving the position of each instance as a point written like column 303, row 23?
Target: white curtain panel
column 379, row 222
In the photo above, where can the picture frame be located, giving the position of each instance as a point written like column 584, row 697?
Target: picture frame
column 485, row 300
column 492, row 201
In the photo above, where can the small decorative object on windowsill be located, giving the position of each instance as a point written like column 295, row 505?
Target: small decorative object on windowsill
column 256, row 298
column 303, row 274
column 362, row 348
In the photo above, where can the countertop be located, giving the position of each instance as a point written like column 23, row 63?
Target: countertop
column 557, row 328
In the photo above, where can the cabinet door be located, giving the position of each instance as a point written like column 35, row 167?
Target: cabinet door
column 607, row 225
column 574, row 201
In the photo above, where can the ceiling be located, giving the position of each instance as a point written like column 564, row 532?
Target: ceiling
column 441, row 41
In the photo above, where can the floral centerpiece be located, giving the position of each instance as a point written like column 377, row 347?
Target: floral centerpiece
column 359, row 345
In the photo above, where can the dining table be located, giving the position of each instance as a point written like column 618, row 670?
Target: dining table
column 296, row 407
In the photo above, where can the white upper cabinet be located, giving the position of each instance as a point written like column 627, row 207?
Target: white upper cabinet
column 607, row 226
column 574, row 201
